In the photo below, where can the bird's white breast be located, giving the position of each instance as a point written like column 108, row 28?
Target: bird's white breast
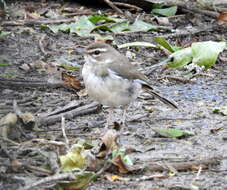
column 111, row 90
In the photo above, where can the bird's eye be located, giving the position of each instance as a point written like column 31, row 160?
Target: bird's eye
column 96, row 52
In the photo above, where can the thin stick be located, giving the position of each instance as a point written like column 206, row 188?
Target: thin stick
column 82, row 110
column 52, row 179
column 63, row 132
column 108, row 2
column 31, row 22
column 19, row 83
column 38, row 169
column 184, row 80
column 48, row 142
column 182, row 166
column 192, row 31
column 128, row 6
column 197, row 175
column 41, row 45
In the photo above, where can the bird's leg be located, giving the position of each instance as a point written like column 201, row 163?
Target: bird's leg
column 109, row 118
column 123, row 120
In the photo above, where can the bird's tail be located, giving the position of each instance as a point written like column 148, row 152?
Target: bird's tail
column 162, row 99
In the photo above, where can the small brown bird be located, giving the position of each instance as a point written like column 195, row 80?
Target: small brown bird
column 112, row 80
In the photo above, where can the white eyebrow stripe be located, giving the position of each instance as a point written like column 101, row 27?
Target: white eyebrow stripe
column 97, row 49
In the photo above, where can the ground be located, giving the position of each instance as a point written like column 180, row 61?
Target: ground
column 196, row 98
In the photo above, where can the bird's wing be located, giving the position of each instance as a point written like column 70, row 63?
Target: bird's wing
column 123, row 68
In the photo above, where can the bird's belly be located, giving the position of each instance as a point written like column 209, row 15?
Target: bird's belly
column 111, row 91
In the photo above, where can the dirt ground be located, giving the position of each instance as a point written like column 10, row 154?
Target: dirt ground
column 196, row 98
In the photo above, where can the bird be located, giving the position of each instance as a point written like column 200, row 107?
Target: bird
column 111, row 79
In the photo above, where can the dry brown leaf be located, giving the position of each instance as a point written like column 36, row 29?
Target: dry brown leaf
column 108, row 143
column 222, row 18
column 2, row 12
column 71, row 81
column 131, row 150
column 93, row 164
column 16, row 164
column 104, row 40
column 122, row 168
column 32, row 15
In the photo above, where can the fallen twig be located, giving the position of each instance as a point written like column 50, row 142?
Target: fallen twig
column 128, row 6
column 197, row 175
column 38, row 169
column 9, row 141
column 78, row 12
column 51, row 142
column 183, row 166
column 63, row 132
column 41, row 45
column 184, row 80
column 108, row 2
column 17, row 83
column 51, row 179
column 191, row 31
column 70, row 106
column 200, row 11
column 86, row 109
column 25, row 100
column 32, row 22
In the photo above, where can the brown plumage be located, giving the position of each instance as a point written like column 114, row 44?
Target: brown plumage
column 112, row 80
column 121, row 66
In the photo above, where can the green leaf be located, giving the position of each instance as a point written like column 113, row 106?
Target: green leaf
column 2, row 5
column 157, row 5
column 221, row 110
column 103, row 27
column 85, row 143
column 83, row 27
column 124, row 157
column 70, row 67
column 139, row 26
column 81, row 182
column 60, row 188
column 96, row 18
column 43, row 26
column 162, row 42
column 171, row 11
column 174, row 133
column 180, row 58
column 120, row 27
column 4, row 64
column 4, row 34
column 62, row 27
column 206, row 53
column 75, row 159
column 177, row 48
column 136, row 44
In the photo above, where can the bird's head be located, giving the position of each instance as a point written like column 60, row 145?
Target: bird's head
column 101, row 53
